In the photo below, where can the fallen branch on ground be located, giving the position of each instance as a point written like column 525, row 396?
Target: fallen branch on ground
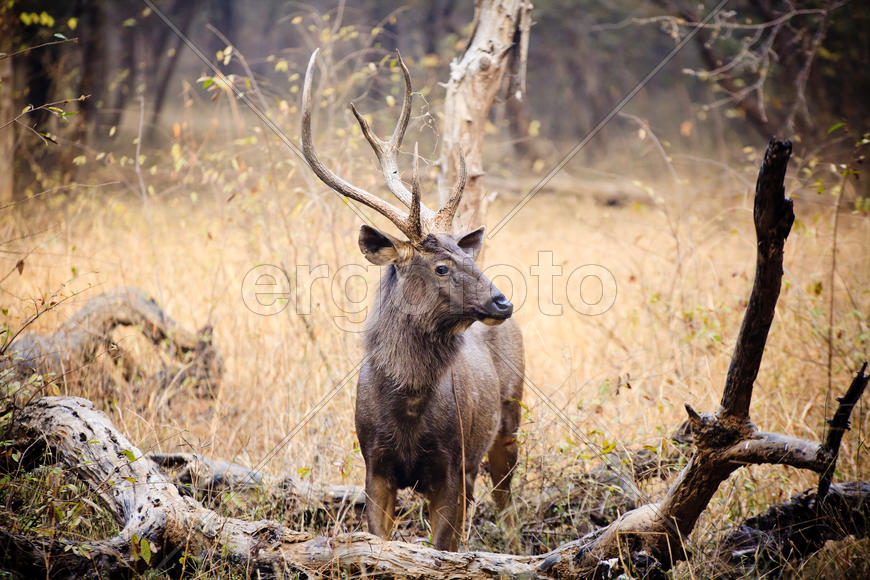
column 795, row 529
column 80, row 339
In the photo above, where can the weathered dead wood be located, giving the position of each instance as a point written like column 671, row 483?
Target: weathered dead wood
column 654, row 535
column 839, row 425
column 475, row 79
column 581, row 503
column 147, row 505
column 87, row 333
column 301, row 500
column 796, row 529
column 774, row 217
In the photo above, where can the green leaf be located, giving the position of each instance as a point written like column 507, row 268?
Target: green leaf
column 128, row 454
column 59, row 35
column 835, row 127
column 145, row 550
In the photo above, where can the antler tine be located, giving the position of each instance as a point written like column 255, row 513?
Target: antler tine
column 380, row 146
column 388, row 151
column 401, row 221
column 444, row 218
column 414, row 214
column 405, row 116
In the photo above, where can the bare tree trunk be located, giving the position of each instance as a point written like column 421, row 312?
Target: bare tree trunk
column 187, row 12
column 437, row 23
column 7, row 111
column 125, row 73
column 516, row 103
column 93, row 76
column 474, row 82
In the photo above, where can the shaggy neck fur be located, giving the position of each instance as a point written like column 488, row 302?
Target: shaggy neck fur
column 411, row 351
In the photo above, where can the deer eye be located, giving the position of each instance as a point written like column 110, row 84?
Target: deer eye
column 442, row 270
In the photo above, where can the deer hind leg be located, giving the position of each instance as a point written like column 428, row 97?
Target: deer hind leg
column 380, row 505
column 502, row 461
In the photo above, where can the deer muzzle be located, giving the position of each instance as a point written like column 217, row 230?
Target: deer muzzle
column 497, row 310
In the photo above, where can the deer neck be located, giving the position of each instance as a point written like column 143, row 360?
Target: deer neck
column 410, row 351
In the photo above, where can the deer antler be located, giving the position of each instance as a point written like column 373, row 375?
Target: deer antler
column 443, row 221
column 419, row 217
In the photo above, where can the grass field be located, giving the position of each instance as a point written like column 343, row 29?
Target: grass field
column 681, row 258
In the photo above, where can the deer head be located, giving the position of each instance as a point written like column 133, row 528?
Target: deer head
column 435, row 269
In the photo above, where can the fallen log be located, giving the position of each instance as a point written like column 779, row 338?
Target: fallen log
column 82, row 338
column 580, row 503
column 793, row 530
column 148, row 507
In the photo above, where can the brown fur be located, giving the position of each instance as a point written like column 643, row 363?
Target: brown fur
column 425, row 350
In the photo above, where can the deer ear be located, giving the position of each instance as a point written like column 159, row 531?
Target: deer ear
column 471, row 242
column 379, row 248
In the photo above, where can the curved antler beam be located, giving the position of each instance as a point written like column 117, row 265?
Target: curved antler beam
column 419, row 217
column 334, row 181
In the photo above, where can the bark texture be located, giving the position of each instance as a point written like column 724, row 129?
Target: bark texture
column 647, row 540
column 147, row 505
column 795, row 529
column 653, row 536
column 88, row 332
column 475, row 79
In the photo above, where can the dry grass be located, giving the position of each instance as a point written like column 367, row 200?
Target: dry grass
column 683, row 263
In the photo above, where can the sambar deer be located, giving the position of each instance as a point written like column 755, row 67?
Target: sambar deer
column 442, row 374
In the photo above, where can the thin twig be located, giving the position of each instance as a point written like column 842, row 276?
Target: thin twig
column 4, row 55
column 44, row 107
column 836, row 228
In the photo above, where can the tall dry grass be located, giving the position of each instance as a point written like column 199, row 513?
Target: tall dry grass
column 224, row 199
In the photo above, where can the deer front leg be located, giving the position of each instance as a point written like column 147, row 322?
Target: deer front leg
column 443, row 512
column 380, row 505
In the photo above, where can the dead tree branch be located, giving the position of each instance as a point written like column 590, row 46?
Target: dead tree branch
column 88, row 332
column 654, row 535
column 148, row 506
column 774, row 217
column 839, row 425
column 796, row 529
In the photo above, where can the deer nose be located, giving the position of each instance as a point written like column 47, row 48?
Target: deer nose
column 502, row 305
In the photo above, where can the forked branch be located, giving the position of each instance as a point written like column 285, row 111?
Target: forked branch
column 653, row 536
